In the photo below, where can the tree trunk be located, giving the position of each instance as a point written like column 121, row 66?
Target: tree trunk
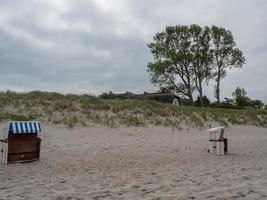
column 190, row 95
column 218, row 87
column 200, row 92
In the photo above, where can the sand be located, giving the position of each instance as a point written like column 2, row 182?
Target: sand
column 140, row 163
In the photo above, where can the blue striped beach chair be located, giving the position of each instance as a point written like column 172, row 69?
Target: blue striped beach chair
column 20, row 141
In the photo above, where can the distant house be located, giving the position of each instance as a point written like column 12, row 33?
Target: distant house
column 159, row 96
column 163, row 97
column 126, row 95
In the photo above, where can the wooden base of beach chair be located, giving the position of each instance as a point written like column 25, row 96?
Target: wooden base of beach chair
column 23, row 148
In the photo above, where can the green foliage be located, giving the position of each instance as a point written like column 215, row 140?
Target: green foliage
column 240, row 96
column 258, row 104
column 185, row 57
column 202, row 58
column 205, row 101
column 223, row 105
column 21, row 117
column 106, row 95
column 242, row 101
column 171, row 50
column 226, row 55
column 239, row 92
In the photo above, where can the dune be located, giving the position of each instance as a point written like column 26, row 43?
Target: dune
column 140, row 163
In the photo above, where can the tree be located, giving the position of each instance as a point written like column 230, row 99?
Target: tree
column 257, row 104
column 201, row 57
column 241, row 98
column 239, row 92
column 226, row 55
column 187, row 56
column 172, row 65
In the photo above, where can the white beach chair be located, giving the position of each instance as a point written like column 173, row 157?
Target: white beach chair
column 218, row 141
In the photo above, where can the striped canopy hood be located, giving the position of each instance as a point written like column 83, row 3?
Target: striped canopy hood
column 24, row 127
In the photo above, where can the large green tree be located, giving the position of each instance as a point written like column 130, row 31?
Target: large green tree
column 186, row 57
column 201, row 57
column 226, row 55
column 172, row 65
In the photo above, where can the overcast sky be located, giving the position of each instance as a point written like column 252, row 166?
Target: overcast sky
column 92, row 46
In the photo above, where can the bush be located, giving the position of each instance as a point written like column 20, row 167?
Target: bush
column 242, row 101
column 205, row 101
column 223, row 105
column 257, row 104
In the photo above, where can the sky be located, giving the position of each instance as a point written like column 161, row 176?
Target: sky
column 95, row 46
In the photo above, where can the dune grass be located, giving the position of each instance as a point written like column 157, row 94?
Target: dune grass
column 72, row 110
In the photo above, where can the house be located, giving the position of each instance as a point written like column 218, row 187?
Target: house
column 158, row 96
column 126, row 95
column 162, row 97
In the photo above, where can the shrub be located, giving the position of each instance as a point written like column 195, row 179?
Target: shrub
column 205, row 100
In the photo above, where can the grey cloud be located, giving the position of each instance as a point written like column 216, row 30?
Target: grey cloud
column 96, row 46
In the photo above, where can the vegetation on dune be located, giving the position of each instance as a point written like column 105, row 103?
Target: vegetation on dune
column 72, row 110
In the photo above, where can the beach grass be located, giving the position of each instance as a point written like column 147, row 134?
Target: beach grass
column 72, row 110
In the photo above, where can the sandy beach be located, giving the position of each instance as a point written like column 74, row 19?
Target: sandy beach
column 140, row 163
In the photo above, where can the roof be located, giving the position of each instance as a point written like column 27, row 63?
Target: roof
column 24, row 127
column 216, row 129
column 160, row 94
column 145, row 95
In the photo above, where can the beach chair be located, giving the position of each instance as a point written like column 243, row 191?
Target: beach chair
column 219, row 142
column 20, row 141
